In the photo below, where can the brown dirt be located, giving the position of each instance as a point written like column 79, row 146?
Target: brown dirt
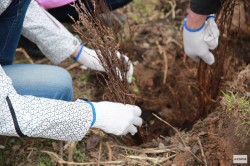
column 221, row 135
column 175, row 100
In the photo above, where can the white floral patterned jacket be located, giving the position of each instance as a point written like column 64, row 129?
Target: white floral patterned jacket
column 39, row 117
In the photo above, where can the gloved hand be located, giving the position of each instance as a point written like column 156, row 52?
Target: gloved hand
column 117, row 118
column 198, row 42
column 89, row 58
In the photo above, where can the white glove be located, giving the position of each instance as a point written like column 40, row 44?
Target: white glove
column 89, row 58
column 198, row 42
column 117, row 118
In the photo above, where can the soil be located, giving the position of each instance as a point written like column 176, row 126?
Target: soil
column 221, row 137
column 165, row 84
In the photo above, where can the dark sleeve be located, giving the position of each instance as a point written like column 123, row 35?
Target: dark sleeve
column 62, row 13
column 205, row 7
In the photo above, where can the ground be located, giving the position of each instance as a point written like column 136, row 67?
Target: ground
column 165, row 82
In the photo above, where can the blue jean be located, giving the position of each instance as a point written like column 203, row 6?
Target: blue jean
column 37, row 80
column 41, row 81
column 11, row 22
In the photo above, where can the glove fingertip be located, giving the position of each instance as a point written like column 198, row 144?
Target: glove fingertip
column 209, row 59
column 132, row 133
column 137, row 121
column 137, row 111
column 132, row 130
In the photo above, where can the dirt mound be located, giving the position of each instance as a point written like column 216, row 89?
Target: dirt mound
column 221, row 136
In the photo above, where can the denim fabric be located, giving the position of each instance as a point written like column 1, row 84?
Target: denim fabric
column 63, row 13
column 11, row 23
column 41, row 81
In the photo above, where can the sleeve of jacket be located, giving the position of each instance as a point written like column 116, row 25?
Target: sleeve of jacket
column 205, row 7
column 40, row 117
column 4, row 5
column 52, row 38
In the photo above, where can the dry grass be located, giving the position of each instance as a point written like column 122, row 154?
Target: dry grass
column 210, row 77
column 102, row 38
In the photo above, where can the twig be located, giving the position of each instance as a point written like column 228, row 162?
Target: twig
column 171, row 40
column 41, row 61
column 61, row 149
column 73, row 66
column 66, row 146
column 155, row 160
column 206, row 95
column 59, row 160
column 26, row 55
column 166, row 159
column 148, row 150
column 127, row 148
column 163, row 137
column 99, row 154
column 110, row 153
column 194, row 155
column 71, row 150
column 173, row 6
column 184, row 144
column 202, row 151
column 186, row 147
column 156, row 151
column 30, row 154
column 163, row 53
column 135, row 162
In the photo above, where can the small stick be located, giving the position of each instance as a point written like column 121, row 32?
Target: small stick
column 74, row 65
column 172, row 128
column 148, row 150
column 61, row 150
column 194, row 156
column 26, row 55
column 41, row 61
column 163, row 137
column 99, row 154
column 155, row 160
column 179, row 136
column 171, row 40
column 30, row 153
column 173, row 6
column 163, row 53
column 202, row 151
column 126, row 148
column 71, row 150
column 166, row 159
column 59, row 160
column 110, row 153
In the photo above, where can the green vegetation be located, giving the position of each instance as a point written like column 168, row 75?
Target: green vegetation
column 143, row 10
column 44, row 160
column 237, row 102
column 79, row 156
column 83, row 77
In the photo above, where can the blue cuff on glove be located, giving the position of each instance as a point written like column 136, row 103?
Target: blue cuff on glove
column 198, row 29
column 79, row 53
column 94, row 113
